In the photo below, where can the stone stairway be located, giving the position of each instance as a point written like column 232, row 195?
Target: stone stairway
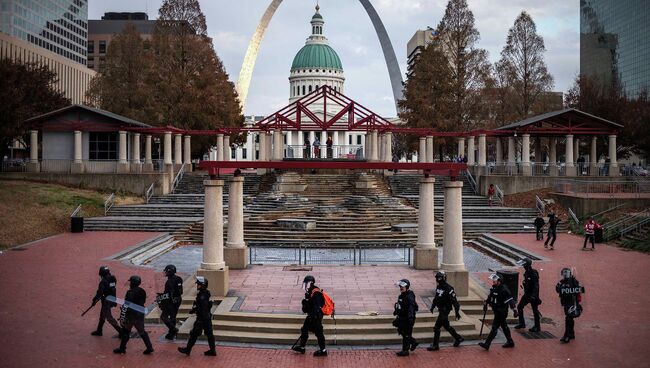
column 192, row 183
column 506, row 253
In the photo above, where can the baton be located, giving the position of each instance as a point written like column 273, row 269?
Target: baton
column 86, row 311
column 482, row 323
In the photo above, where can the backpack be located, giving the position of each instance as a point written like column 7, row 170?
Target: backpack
column 328, row 307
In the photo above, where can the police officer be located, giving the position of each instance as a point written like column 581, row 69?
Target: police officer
column 202, row 307
column 312, row 304
column 499, row 299
column 444, row 300
column 570, row 291
column 107, row 283
column 531, row 294
column 131, row 318
column 170, row 300
column 405, row 310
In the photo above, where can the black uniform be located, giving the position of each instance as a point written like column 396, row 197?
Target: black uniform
column 312, row 304
column 131, row 318
column 106, row 287
column 553, row 221
column 539, row 225
column 531, row 295
column 444, row 300
column 500, row 299
column 203, row 309
column 405, row 310
column 170, row 302
column 569, row 291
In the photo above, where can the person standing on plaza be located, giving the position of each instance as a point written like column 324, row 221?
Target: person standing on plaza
column 316, row 147
column 490, row 193
column 539, row 227
column 531, row 295
column 444, row 299
column 551, row 235
column 132, row 318
column 570, row 292
column 170, row 300
column 202, row 307
column 329, row 144
column 312, row 304
column 499, row 299
column 405, row 310
column 307, row 148
column 590, row 229
column 106, row 287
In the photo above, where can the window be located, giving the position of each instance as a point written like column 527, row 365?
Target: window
column 358, row 139
column 233, row 154
column 102, row 47
column 102, row 146
column 310, row 88
column 303, row 90
column 350, row 139
column 243, row 153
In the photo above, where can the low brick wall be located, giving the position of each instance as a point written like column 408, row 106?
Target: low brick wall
column 584, row 207
column 519, row 184
column 135, row 184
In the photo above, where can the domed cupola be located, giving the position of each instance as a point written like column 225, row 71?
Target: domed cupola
column 316, row 64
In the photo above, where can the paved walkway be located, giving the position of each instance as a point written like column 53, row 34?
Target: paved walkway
column 45, row 287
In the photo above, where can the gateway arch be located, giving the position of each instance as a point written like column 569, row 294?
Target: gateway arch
column 246, row 72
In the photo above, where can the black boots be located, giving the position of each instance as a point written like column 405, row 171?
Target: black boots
column 508, row 344
column 299, row 349
column 96, row 333
column 320, row 353
column 171, row 335
column 433, row 347
column 210, row 352
column 403, row 353
column 535, row 329
column 458, row 341
column 185, row 351
column 484, row 345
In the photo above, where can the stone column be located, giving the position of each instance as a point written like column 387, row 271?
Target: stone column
column 289, row 151
column 482, row 153
column 552, row 156
column 123, row 163
column 613, row 162
column 576, row 149
column 236, row 252
column 593, row 157
column 499, row 149
column 269, row 146
column 511, row 151
column 375, row 145
column 167, row 154
column 262, row 146
column 470, row 151
column 525, row 154
column 178, row 149
column 429, row 148
column 33, row 165
column 422, row 152
column 227, row 154
column 136, row 165
column 569, row 164
column 213, row 266
column 148, row 162
column 220, row 147
column 312, row 138
column 461, row 147
column 452, row 250
column 300, row 152
column 426, row 254
column 389, row 147
column 277, row 145
column 77, row 165
column 537, row 150
column 187, row 153
column 335, row 142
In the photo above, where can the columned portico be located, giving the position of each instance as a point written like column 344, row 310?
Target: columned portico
column 613, row 163
column 34, row 165
column 278, row 145
column 470, row 151
column 426, row 254
column 178, row 149
column 511, row 153
column 429, row 148
column 482, row 154
column 123, row 163
column 375, row 146
column 213, row 266
column 226, row 148
column 593, row 157
column 499, row 151
column 167, row 153
column 422, row 152
column 77, row 166
column 525, row 154
column 136, row 164
column 461, row 147
column 187, row 153
column 568, row 154
column 236, row 252
column 552, row 156
column 148, row 162
column 452, row 253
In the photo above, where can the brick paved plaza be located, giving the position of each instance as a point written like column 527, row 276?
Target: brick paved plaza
column 41, row 306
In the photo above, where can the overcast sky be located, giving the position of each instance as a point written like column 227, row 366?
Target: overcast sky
column 231, row 24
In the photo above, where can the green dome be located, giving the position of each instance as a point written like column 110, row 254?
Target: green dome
column 317, row 16
column 316, row 56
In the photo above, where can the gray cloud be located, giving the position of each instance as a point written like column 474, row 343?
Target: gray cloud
column 231, row 24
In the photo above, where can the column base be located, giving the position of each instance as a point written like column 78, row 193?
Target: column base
column 123, row 168
column 365, row 182
column 261, row 171
column 218, row 281
column 613, row 170
column 147, row 167
column 188, row 167
column 526, row 170
column 136, row 168
column 593, row 170
column 169, row 169
column 481, row 170
column 33, row 167
column 236, row 258
column 459, row 280
column 571, row 171
column 553, row 170
column 290, row 182
column 77, row 168
column 425, row 259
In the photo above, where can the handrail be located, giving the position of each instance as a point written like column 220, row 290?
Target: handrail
column 178, row 178
column 76, row 211
column 500, row 195
column 573, row 216
column 540, row 205
column 608, row 210
column 634, row 227
column 613, row 229
column 472, row 182
column 108, row 203
column 149, row 193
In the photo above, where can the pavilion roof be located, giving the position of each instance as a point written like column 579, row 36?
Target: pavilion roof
column 567, row 119
column 122, row 120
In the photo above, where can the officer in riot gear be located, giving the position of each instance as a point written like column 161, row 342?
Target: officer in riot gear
column 107, row 286
column 531, row 295
column 312, row 304
column 202, row 307
column 444, row 300
column 499, row 299
column 405, row 311
column 570, row 293
column 170, row 300
column 131, row 318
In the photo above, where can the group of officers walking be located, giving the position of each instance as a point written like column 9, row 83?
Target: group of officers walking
column 316, row 304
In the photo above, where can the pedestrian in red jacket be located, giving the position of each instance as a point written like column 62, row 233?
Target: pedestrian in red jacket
column 590, row 229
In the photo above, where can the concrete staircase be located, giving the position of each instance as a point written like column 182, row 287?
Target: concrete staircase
column 506, row 253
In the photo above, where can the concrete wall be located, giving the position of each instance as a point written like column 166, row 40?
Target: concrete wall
column 58, row 145
column 518, row 184
column 584, row 207
column 135, row 184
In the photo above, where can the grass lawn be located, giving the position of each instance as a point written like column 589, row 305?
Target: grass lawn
column 31, row 211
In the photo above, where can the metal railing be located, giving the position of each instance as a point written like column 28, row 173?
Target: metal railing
column 347, row 152
column 634, row 227
column 573, row 217
column 471, row 181
column 596, row 188
column 613, row 230
column 56, row 166
column 500, row 195
column 108, row 203
column 547, row 169
column 13, row 166
column 76, row 211
column 596, row 215
column 149, row 193
column 540, row 205
column 328, row 253
column 100, row 167
column 178, row 178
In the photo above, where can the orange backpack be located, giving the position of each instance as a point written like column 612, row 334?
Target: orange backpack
column 328, row 307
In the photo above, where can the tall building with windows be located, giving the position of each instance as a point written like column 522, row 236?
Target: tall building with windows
column 52, row 33
column 615, row 42
column 415, row 46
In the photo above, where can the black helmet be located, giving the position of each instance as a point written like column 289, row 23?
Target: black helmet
column 103, row 271
column 170, row 269
column 135, row 281
column 441, row 276
column 496, row 277
column 404, row 283
column 525, row 263
column 309, row 278
column 566, row 273
column 200, row 280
